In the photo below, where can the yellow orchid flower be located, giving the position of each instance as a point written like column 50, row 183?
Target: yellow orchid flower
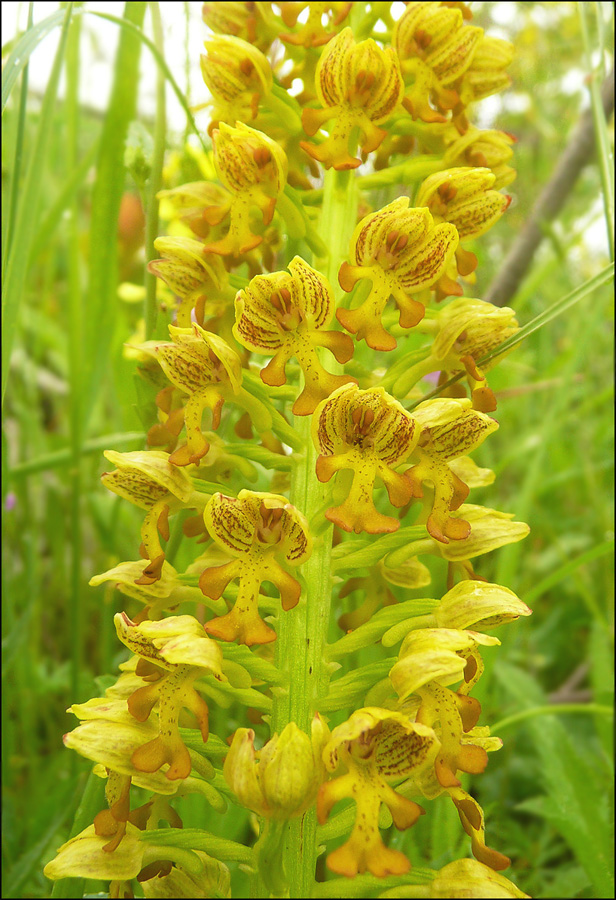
column 166, row 593
column 204, row 366
column 485, row 76
column 375, row 745
column 465, row 197
column 489, row 530
column 84, row 856
column 287, row 315
column 369, row 433
column 312, row 33
column 450, row 429
column 196, row 203
column 481, row 604
column 487, row 149
column 190, row 273
column 401, row 251
column 465, row 330
column 469, row 878
column 109, row 736
column 359, row 86
column 430, row 660
column 281, row 780
column 174, row 651
column 253, row 168
column 213, row 880
column 238, row 75
column 243, row 20
column 435, row 48
column 147, row 479
column 255, row 528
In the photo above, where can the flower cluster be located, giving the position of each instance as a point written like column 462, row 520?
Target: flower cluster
column 275, row 468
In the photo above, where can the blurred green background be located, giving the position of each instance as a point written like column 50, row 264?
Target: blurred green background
column 548, row 793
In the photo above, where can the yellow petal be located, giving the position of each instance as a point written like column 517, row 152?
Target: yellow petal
column 83, row 857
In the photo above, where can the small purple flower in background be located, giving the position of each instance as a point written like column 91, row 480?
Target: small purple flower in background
column 432, row 377
column 10, row 501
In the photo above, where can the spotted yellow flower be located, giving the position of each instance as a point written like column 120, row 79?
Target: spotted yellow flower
column 489, row 149
column 401, row 251
column 175, row 652
column 253, row 168
column 466, row 198
column 147, row 479
column 205, row 367
column 359, row 86
column 430, row 660
column 489, row 530
column 238, row 75
column 485, row 76
column 281, row 780
column 369, row 433
column 481, row 604
column 435, row 48
column 190, row 273
column 166, row 593
column 464, row 331
column 374, row 745
column 242, row 20
column 450, row 429
column 287, row 314
column 254, row 528
column 202, row 205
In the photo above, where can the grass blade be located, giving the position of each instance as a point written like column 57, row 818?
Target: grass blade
column 17, row 266
column 23, row 50
column 106, row 197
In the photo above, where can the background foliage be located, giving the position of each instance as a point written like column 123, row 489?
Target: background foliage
column 547, row 793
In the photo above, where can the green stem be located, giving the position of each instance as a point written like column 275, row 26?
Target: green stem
column 75, row 328
column 554, row 709
column 302, row 632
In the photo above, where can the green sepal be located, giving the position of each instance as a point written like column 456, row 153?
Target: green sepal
column 343, row 557
column 311, row 237
column 211, row 487
column 181, row 856
column 266, row 458
column 350, row 690
column 259, row 668
column 224, row 694
column 369, row 886
column 279, row 425
column 214, row 747
column 371, row 632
